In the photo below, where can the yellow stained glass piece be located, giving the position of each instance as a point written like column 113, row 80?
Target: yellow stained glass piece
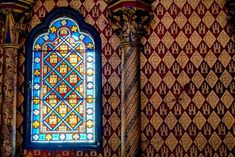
column 73, row 120
column 63, row 88
column 45, row 69
column 53, row 79
column 89, row 99
column 64, row 31
column 89, row 72
column 63, row 68
column 73, row 59
column 37, row 73
column 53, row 29
column 74, row 28
column 53, row 58
column 89, row 124
column 53, row 120
column 63, row 49
column 73, row 100
column 90, row 46
column 52, row 100
column 44, row 47
column 36, row 124
column 73, row 79
column 75, row 136
column 62, row 128
column 37, row 47
column 36, row 100
column 63, row 110
column 48, row 137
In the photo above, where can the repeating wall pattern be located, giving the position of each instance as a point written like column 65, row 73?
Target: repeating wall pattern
column 187, row 79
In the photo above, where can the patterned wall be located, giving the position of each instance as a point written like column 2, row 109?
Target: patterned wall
column 187, row 79
column 188, row 85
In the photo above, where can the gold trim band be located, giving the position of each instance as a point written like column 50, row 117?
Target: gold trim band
column 16, row 46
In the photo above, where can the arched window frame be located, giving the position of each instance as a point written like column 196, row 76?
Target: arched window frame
column 42, row 28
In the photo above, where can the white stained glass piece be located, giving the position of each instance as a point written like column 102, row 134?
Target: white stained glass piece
column 36, row 112
column 37, row 60
column 90, row 85
column 36, row 86
column 89, row 111
column 90, row 59
column 35, row 137
column 63, row 22
column 46, row 37
column 90, row 136
column 82, row 37
column 62, row 136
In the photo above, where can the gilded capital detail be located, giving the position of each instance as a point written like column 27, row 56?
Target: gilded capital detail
column 130, row 24
column 14, row 32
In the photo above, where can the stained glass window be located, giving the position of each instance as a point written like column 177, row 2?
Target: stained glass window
column 63, row 91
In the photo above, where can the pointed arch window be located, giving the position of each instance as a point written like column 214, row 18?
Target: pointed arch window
column 63, row 84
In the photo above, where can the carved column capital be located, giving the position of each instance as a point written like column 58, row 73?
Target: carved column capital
column 130, row 23
column 130, row 18
column 14, row 29
column 15, row 17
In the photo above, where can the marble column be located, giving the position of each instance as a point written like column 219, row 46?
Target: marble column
column 130, row 20
column 11, row 31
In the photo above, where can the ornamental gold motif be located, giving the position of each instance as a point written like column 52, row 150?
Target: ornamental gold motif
column 130, row 24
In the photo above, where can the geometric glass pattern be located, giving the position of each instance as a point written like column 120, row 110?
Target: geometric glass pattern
column 63, row 85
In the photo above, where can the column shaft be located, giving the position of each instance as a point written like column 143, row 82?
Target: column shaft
column 130, row 101
column 8, row 126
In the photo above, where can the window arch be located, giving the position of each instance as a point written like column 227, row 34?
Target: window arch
column 63, row 91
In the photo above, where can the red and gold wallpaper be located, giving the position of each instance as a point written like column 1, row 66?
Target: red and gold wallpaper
column 187, row 80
